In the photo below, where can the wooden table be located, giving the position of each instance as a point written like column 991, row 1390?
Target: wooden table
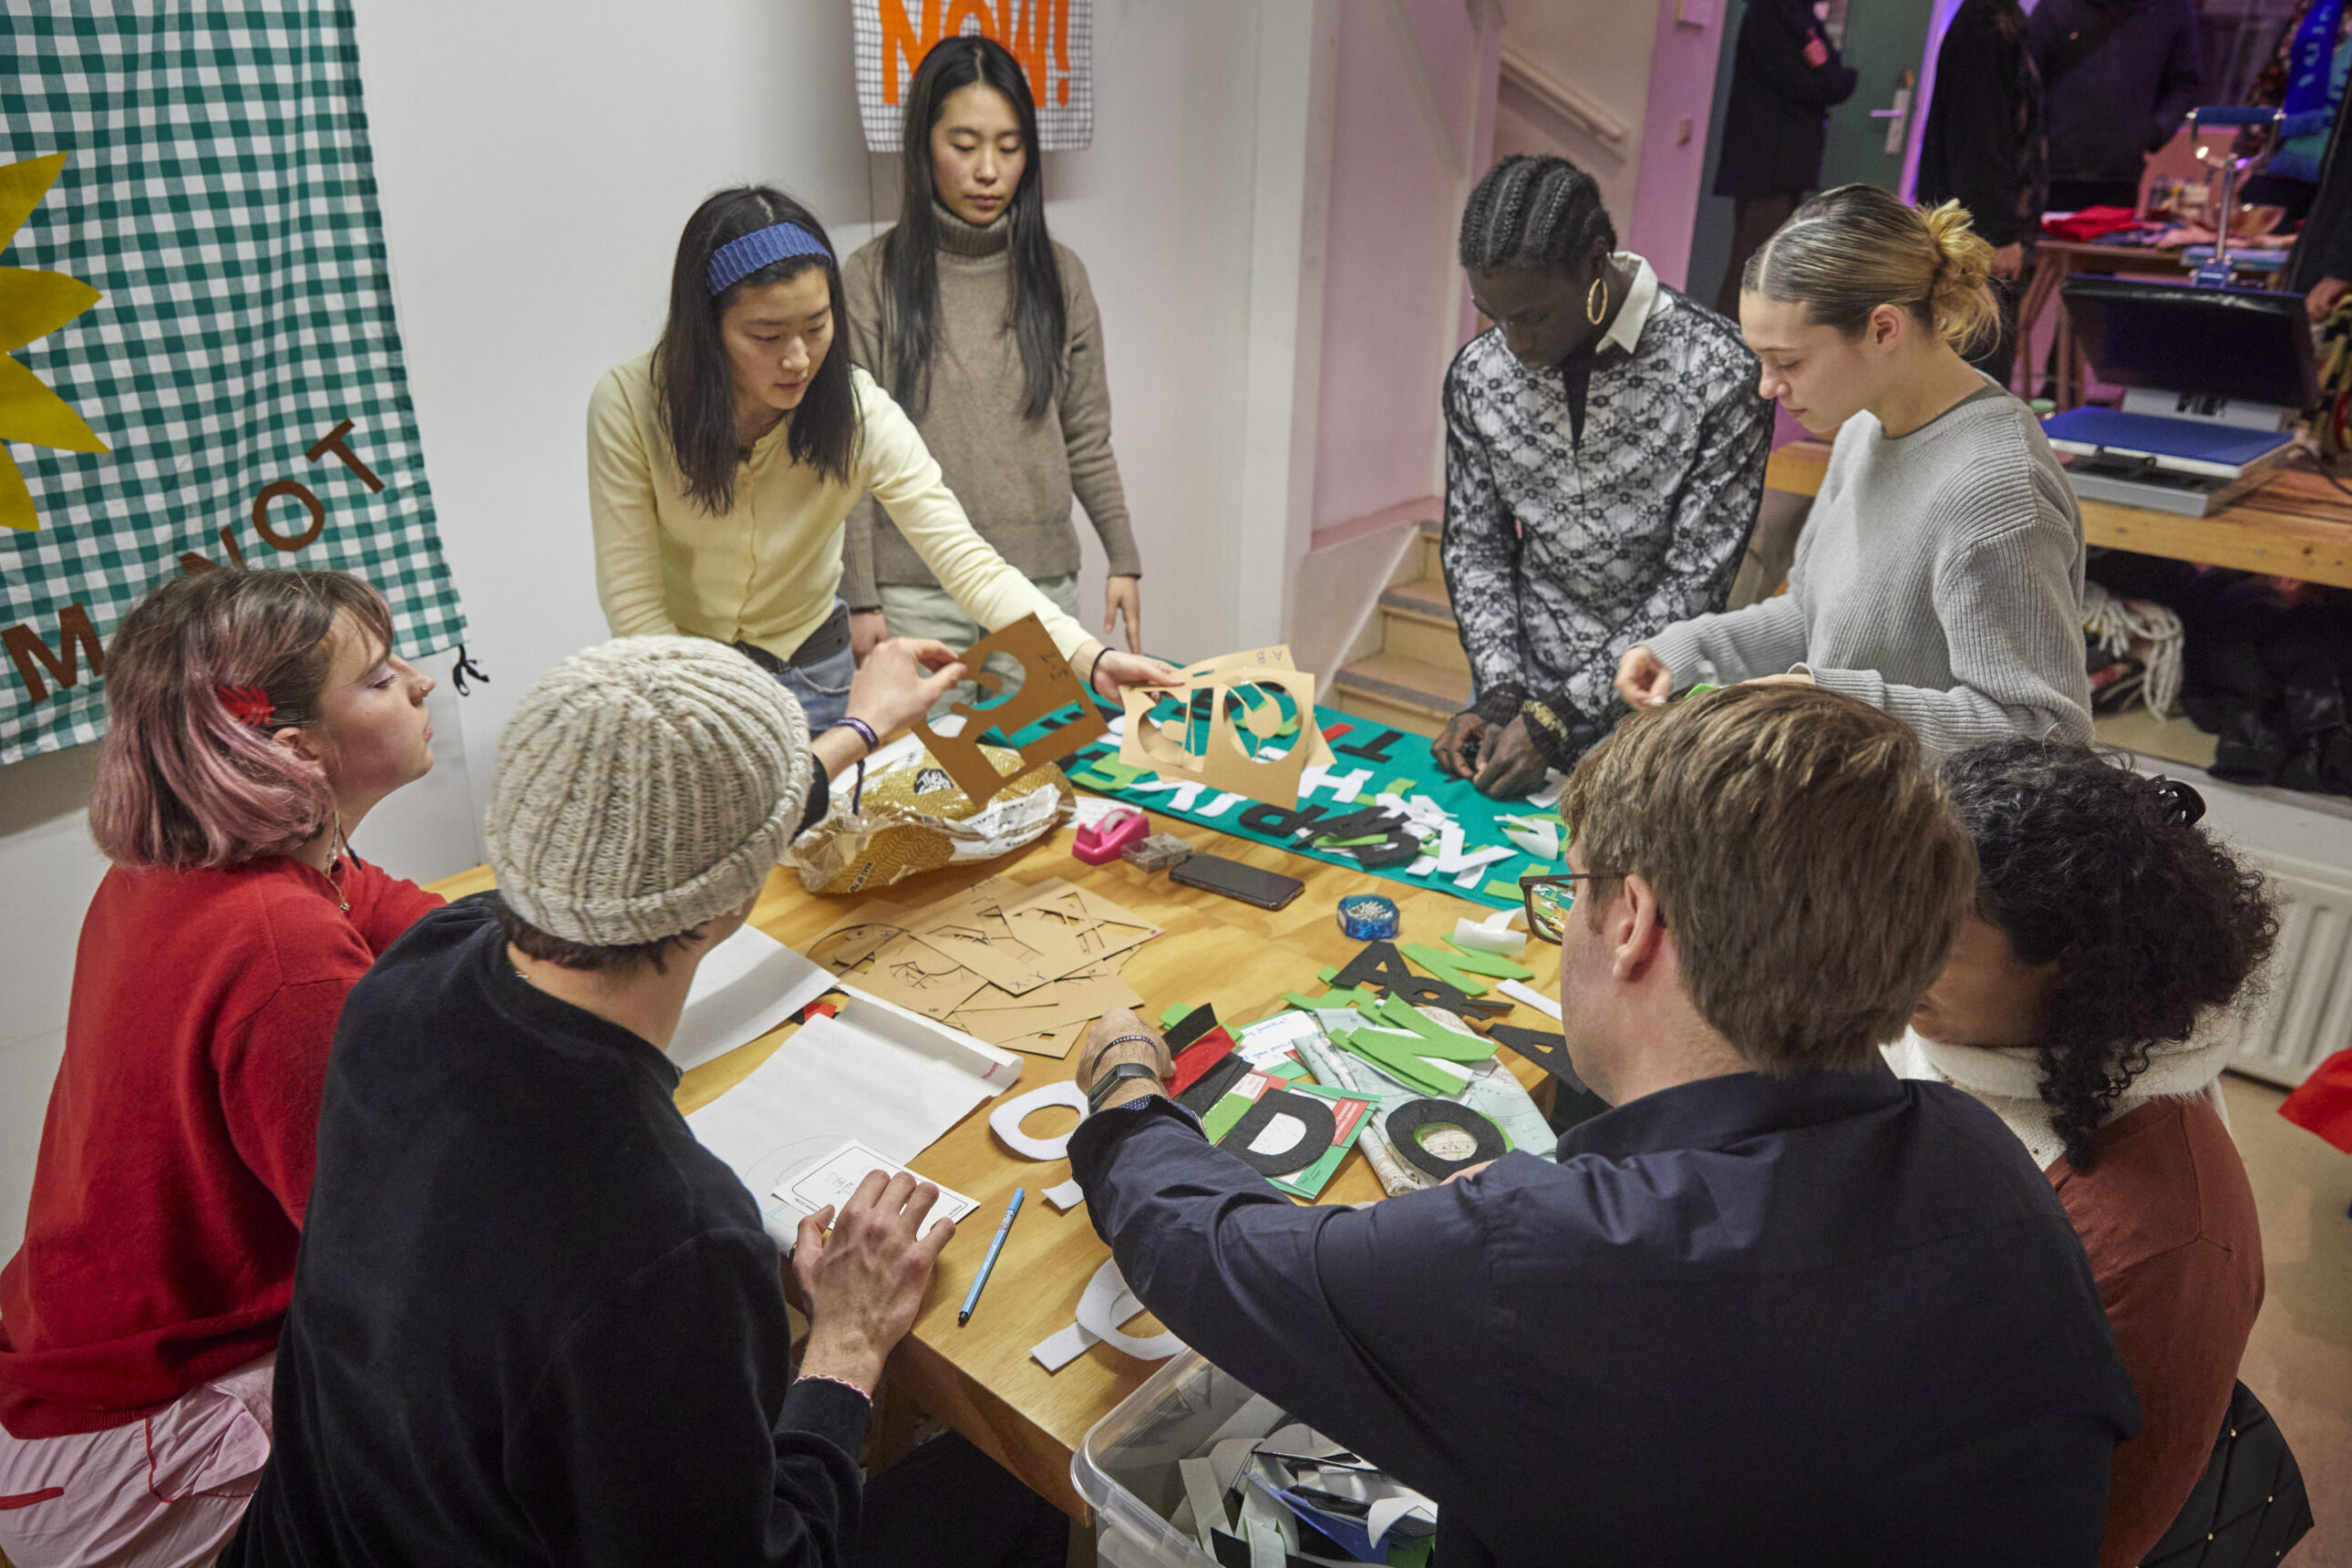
column 2298, row 525
column 980, row 1380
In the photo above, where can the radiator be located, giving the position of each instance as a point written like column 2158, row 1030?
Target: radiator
column 2306, row 1014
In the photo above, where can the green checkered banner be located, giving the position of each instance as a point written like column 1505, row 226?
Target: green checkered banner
column 201, row 368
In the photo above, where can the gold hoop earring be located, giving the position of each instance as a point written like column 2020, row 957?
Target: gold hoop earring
column 1600, row 291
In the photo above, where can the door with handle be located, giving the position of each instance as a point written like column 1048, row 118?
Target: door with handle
column 1885, row 42
column 1869, row 133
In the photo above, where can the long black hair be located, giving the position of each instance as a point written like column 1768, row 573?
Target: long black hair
column 2082, row 862
column 911, row 270
column 691, row 382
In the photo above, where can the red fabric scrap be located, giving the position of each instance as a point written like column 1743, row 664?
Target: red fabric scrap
column 2323, row 1104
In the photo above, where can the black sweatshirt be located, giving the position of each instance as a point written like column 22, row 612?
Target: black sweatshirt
column 533, row 1320
column 2120, row 75
column 1984, row 145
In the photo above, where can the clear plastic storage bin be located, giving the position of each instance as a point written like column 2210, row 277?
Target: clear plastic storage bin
column 1126, row 1469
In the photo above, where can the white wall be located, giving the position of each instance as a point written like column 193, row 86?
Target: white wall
column 1576, row 82
column 536, row 160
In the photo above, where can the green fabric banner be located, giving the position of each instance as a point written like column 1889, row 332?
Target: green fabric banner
column 204, row 168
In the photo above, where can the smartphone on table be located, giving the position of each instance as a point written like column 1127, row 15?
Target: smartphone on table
column 1216, row 874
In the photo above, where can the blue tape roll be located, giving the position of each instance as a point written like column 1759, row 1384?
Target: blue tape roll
column 1368, row 917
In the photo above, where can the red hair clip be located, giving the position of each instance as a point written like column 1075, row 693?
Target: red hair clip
column 245, row 704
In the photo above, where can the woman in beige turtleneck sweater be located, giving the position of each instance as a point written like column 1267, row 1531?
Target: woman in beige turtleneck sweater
column 985, row 332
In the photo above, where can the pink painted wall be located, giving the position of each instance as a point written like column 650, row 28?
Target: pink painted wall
column 1673, row 162
column 1393, row 300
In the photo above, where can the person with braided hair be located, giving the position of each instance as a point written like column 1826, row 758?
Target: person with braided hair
column 2088, row 1000
column 1604, row 455
column 1940, row 576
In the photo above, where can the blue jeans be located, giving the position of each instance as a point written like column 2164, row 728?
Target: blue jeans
column 822, row 688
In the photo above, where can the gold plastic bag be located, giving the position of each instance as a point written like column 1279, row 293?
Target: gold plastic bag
column 911, row 818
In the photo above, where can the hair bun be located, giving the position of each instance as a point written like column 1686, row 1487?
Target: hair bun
column 1960, row 298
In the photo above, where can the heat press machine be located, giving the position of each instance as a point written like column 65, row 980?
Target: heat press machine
column 2214, row 381
column 2215, row 377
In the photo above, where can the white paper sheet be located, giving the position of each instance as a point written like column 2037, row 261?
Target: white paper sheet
column 746, row 986
column 1531, row 995
column 832, row 1181
column 887, row 1078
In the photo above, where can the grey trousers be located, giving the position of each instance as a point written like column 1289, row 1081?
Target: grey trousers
column 932, row 612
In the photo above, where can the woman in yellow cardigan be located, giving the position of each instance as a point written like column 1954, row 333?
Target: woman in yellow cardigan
column 722, row 463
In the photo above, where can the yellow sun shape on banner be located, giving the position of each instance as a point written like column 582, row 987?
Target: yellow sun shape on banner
column 33, row 305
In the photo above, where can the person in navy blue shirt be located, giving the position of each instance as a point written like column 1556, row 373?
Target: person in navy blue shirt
column 1774, row 1306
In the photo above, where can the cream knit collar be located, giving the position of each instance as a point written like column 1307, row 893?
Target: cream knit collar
column 958, row 237
column 2009, row 1082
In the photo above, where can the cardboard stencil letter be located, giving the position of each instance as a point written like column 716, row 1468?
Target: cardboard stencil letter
column 1230, row 761
column 1048, row 684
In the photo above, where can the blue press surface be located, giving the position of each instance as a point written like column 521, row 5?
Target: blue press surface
column 2156, row 436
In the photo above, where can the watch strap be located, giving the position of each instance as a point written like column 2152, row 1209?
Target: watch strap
column 1114, row 1077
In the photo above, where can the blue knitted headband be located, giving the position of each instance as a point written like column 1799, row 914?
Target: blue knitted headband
column 738, row 259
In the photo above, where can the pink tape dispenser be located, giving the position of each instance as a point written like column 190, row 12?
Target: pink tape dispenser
column 1114, row 832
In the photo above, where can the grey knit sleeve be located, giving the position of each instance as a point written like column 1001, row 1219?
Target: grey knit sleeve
column 2011, row 606
column 1086, row 424
column 1764, row 638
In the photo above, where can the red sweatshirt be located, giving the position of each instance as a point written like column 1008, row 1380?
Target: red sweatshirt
column 176, row 1157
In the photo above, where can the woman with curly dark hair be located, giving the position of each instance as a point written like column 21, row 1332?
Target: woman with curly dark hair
column 2089, row 1001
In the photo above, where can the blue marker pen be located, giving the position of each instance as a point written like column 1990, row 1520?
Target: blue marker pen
column 979, row 1280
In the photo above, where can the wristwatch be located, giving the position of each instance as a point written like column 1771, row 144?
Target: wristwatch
column 1116, row 1076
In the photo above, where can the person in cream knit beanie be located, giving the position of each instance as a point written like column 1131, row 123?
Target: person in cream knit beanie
column 646, row 786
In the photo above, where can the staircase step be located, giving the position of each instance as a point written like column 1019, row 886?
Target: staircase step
column 1423, row 638
column 1432, row 565
column 1410, row 693
column 1422, row 596
column 1381, row 710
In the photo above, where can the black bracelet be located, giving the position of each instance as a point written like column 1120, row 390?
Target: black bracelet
column 1125, row 1072
column 1095, row 666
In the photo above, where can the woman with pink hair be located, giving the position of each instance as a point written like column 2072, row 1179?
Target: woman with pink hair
column 255, row 718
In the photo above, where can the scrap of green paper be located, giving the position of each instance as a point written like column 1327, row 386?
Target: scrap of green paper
column 1452, row 974
column 1330, row 1001
column 1505, row 890
column 1108, row 773
column 1175, row 1014
column 1225, row 1113
column 1402, row 1063
column 1447, row 1045
column 1476, row 963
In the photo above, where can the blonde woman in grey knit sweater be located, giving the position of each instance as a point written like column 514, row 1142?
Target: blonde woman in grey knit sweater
column 1940, row 573
column 986, row 333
